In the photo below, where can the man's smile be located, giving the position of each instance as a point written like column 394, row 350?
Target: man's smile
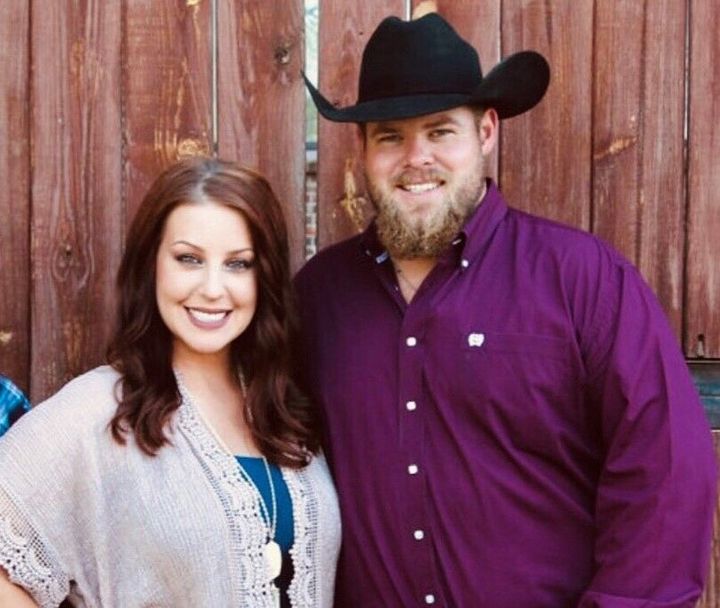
column 421, row 187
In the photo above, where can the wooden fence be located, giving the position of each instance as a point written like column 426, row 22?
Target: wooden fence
column 99, row 95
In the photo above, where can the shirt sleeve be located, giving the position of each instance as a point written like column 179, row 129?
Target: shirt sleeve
column 13, row 404
column 656, row 491
column 27, row 488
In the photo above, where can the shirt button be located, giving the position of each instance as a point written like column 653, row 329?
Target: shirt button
column 411, row 341
column 412, row 469
column 464, row 263
column 411, row 406
column 429, row 598
column 419, row 534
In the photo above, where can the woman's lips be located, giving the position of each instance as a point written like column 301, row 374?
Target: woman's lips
column 206, row 319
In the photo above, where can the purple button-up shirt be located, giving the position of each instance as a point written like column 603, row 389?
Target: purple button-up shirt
column 523, row 434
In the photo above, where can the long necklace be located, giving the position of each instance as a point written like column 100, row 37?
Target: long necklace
column 401, row 276
column 271, row 549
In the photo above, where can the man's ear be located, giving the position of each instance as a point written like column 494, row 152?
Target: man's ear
column 488, row 129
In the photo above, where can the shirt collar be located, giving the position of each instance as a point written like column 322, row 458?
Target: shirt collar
column 471, row 239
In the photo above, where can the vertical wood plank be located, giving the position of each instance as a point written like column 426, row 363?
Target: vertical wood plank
column 77, row 210
column 711, row 597
column 344, row 30
column 166, row 88
column 702, row 311
column 14, row 196
column 545, row 153
column 261, row 102
column 479, row 24
column 638, row 144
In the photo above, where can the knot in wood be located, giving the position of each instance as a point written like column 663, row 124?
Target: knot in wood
column 282, row 55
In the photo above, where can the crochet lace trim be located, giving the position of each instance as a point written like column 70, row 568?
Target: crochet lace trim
column 27, row 560
column 252, row 584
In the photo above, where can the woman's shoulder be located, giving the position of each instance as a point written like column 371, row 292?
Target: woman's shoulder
column 317, row 470
column 99, row 381
column 86, row 402
column 50, row 444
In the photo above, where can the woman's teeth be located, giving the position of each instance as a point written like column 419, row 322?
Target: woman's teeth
column 207, row 317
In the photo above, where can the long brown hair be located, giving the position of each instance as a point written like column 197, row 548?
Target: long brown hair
column 284, row 425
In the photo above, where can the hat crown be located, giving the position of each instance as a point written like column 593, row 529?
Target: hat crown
column 425, row 56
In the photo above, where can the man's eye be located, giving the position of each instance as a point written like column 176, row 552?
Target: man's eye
column 387, row 138
column 187, row 258
column 438, row 133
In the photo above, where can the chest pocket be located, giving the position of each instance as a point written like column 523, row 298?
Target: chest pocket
column 524, row 387
column 518, row 369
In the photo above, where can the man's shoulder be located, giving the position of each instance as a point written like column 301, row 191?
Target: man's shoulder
column 331, row 259
column 10, row 394
column 13, row 403
column 544, row 235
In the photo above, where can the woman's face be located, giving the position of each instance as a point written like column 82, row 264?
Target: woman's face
column 206, row 282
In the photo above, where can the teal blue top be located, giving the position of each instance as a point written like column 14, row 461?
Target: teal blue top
column 284, row 532
column 254, row 467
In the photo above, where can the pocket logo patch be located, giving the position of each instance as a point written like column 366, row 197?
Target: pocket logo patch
column 476, row 340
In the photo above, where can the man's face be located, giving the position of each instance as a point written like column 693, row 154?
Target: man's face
column 425, row 176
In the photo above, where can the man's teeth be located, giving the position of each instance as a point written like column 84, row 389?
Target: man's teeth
column 207, row 317
column 418, row 188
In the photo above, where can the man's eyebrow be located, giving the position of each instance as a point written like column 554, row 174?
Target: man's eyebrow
column 391, row 126
column 382, row 127
column 440, row 121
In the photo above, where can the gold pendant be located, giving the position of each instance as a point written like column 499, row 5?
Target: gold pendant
column 273, row 558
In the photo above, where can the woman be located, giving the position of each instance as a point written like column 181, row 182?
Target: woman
column 185, row 473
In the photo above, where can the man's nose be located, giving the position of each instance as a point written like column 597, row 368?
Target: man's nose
column 418, row 151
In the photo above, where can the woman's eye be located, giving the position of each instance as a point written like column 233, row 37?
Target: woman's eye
column 187, row 258
column 240, row 264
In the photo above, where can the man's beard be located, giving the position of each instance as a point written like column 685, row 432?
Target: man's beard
column 405, row 238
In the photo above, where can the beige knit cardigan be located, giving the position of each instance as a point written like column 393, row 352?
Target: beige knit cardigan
column 111, row 527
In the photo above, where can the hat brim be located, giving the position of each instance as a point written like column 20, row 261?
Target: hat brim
column 512, row 87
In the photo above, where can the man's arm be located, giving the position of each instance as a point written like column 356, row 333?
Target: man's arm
column 656, row 492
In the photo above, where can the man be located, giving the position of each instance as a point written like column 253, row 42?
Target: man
column 510, row 421
column 13, row 404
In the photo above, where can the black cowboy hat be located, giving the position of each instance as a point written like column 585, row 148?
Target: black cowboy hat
column 412, row 68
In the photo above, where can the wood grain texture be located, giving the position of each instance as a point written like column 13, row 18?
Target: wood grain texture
column 479, row 24
column 638, row 107
column 14, row 200
column 344, row 30
column 261, row 99
column 166, row 88
column 711, row 597
column 545, row 153
column 77, row 210
column 702, row 310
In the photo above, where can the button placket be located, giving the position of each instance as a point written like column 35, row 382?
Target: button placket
column 411, row 392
